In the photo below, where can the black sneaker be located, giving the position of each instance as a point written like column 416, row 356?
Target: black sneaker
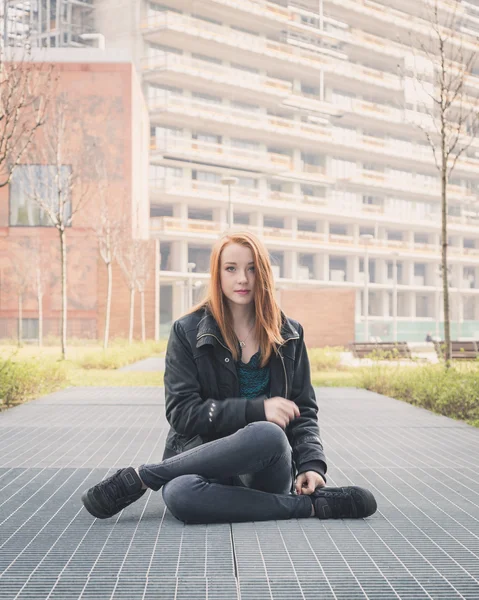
column 343, row 503
column 113, row 494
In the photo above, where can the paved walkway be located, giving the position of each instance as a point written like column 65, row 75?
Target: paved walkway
column 148, row 364
column 422, row 543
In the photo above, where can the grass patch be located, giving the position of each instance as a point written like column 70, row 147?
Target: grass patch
column 325, row 359
column 452, row 393
column 345, row 378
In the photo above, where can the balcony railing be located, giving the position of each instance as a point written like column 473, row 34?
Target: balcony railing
column 184, row 147
column 191, row 227
column 220, row 73
column 252, row 197
column 333, row 137
column 284, row 52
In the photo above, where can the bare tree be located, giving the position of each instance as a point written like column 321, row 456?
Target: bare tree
column 142, row 277
column 25, row 89
column 444, row 61
column 20, row 258
column 109, row 230
column 129, row 261
column 41, row 277
column 58, row 186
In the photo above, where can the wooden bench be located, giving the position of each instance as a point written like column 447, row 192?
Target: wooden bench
column 383, row 350
column 459, row 350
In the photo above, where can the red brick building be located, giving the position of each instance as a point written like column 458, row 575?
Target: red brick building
column 107, row 125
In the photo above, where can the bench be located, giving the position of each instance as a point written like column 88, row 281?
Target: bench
column 383, row 350
column 459, row 350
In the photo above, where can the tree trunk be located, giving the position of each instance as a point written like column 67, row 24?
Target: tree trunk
column 132, row 314
column 40, row 307
column 63, row 254
column 108, row 305
column 142, row 299
column 40, row 319
column 445, row 274
column 20, row 319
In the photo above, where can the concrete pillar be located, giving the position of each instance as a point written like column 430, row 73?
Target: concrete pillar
column 352, row 268
column 411, row 304
column 408, row 269
column 291, row 223
column 321, row 266
column 179, row 256
column 179, row 299
column 180, row 211
column 385, row 303
column 256, row 220
column 220, row 215
column 290, row 264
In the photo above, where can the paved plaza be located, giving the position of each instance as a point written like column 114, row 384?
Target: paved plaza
column 422, row 543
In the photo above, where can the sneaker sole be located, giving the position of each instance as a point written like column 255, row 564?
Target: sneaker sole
column 92, row 507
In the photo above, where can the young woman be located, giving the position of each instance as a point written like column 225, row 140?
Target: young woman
column 244, row 442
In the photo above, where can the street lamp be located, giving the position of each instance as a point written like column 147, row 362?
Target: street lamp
column 190, row 266
column 229, row 181
column 366, row 238
column 395, row 296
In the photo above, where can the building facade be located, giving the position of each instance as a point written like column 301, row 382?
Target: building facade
column 104, row 149
column 298, row 119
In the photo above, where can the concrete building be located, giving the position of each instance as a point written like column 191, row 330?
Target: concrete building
column 293, row 118
column 107, row 125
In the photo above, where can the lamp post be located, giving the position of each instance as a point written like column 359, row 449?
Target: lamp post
column 395, row 296
column 190, row 266
column 366, row 238
column 229, row 181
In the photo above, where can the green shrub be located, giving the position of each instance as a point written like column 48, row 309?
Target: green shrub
column 325, row 359
column 451, row 392
column 22, row 380
column 120, row 354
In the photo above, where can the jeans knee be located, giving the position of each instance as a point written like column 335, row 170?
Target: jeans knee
column 272, row 436
column 178, row 495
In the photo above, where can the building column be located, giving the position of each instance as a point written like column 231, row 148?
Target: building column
column 291, row 223
column 220, row 216
column 290, row 264
column 321, row 266
column 256, row 220
column 179, row 299
column 352, row 269
column 180, row 211
column 385, row 303
column 179, row 256
column 411, row 304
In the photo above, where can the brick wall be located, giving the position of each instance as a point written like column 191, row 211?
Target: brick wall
column 327, row 315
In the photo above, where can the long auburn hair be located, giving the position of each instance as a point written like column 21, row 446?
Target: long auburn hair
column 267, row 310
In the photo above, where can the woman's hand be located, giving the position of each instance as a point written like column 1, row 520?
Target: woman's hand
column 280, row 411
column 307, row 482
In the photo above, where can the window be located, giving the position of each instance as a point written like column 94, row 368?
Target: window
column 32, row 184
column 30, row 329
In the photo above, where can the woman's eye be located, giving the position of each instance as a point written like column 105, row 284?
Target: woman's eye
column 228, row 268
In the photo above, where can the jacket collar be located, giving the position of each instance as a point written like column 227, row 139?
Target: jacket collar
column 207, row 329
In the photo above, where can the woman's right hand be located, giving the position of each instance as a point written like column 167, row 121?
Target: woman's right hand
column 280, row 411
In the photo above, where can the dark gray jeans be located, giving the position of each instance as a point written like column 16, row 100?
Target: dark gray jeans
column 246, row 476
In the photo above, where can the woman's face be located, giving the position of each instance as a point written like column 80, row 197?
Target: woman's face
column 237, row 274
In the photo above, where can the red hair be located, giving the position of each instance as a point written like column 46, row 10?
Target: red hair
column 267, row 310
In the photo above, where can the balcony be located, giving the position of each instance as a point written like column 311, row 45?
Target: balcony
column 176, row 228
column 167, row 26
column 381, row 181
column 188, row 149
column 172, row 68
column 177, row 189
column 180, row 111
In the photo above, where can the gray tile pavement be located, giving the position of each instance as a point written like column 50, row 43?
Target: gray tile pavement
column 422, row 543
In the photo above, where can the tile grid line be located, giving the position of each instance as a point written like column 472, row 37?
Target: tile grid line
column 264, row 564
column 423, row 532
column 360, row 446
column 317, row 559
column 57, row 451
column 95, row 520
column 27, row 443
column 38, row 533
column 426, row 560
column 290, row 560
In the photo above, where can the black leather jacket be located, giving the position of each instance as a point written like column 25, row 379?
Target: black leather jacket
column 202, row 390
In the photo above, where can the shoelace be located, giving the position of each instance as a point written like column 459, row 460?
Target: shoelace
column 341, row 502
column 111, row 484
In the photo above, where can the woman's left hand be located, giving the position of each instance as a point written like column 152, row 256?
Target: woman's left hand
column 307, row 482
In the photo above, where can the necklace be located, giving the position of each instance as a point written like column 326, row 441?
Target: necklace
column 243, row 343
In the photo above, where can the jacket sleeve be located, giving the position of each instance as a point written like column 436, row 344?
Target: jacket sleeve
column 303, row 432
column 186, row 410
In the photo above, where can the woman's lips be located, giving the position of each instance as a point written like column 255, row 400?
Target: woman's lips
column 242, row 292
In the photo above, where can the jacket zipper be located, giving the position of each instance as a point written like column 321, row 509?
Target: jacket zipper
column 284, row 367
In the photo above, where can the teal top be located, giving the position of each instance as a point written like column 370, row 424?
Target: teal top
column 253, row 380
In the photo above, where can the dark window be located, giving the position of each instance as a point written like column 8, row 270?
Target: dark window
column 34, row 186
